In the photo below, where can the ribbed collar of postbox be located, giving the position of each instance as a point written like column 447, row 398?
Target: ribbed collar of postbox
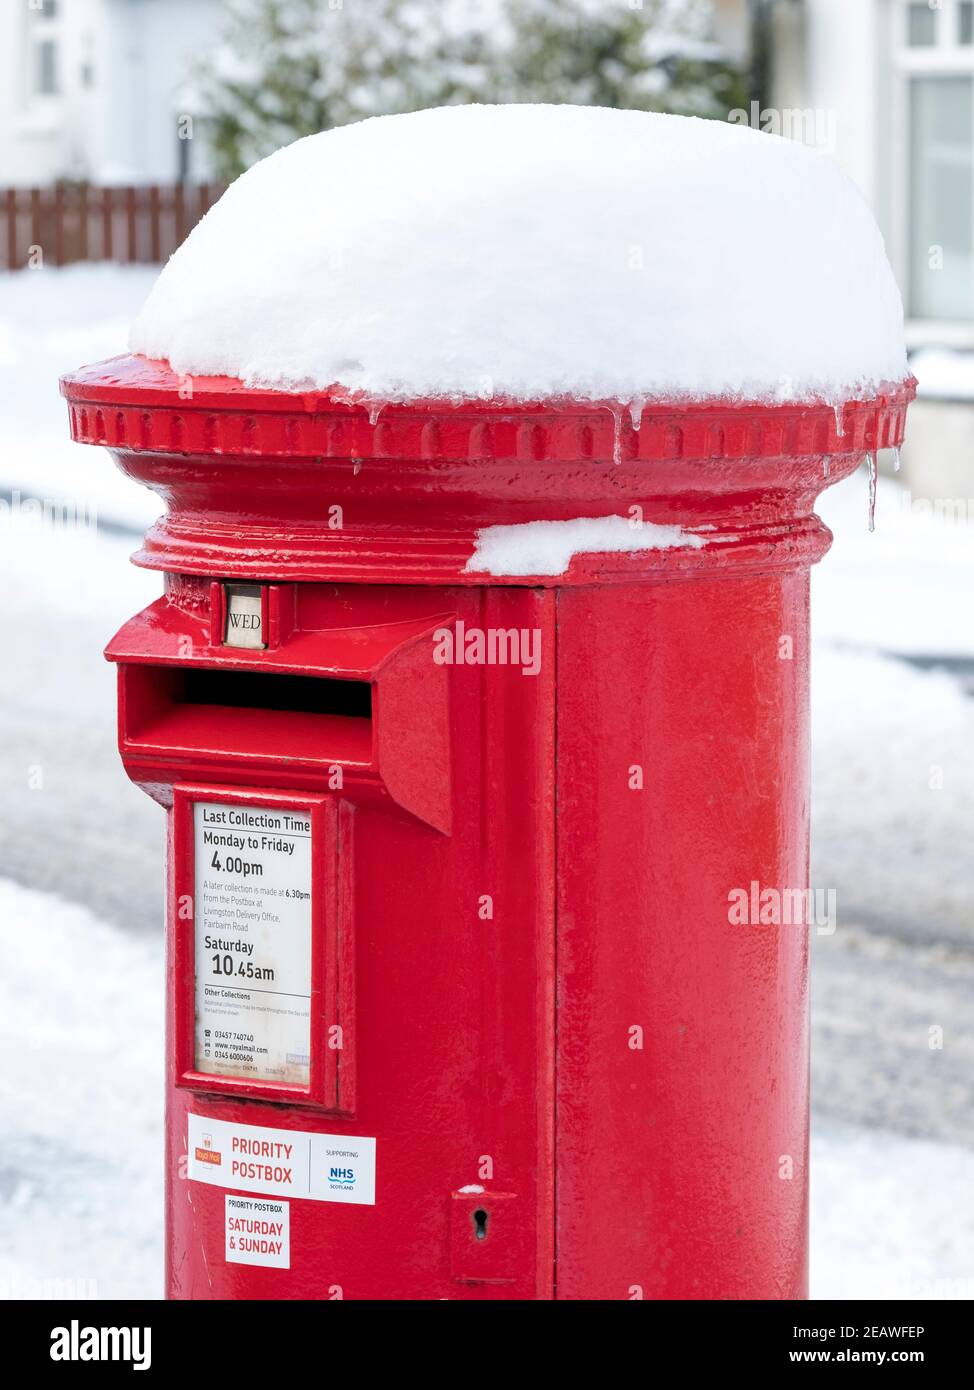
column 477, row 492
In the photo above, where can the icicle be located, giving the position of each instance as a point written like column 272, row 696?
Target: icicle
column 826, row 465
column 356, row 467
column 839, row 425
column 636, row 413
column 374, row 412
column 896, row 459
column 871, row 465
column 616, row 434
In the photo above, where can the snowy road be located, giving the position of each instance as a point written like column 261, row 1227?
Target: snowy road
column 892, row 829
column 893, row 811
column 893, row 819
column 69, row 818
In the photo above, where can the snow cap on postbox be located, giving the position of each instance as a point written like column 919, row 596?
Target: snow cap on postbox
column 532, row 253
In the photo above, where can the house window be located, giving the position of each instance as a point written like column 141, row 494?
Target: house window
column 942, row 197
column 47, row 81
column 184, row 150
column 965, row 22
column 935, row 60
column 921, row 24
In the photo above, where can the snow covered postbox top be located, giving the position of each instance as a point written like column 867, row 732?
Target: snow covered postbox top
column 528, row 253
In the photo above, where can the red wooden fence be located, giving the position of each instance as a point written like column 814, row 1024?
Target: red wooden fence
column 78, row 222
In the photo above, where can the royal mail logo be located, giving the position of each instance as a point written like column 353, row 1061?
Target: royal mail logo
column 208, row 1154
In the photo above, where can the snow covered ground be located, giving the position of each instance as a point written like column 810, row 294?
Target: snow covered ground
column 52, row 321
column 81, row 858
column 80, row 1103
column 890, row 1216
column 905, row 588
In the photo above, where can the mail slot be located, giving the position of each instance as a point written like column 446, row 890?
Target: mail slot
column 255, row 690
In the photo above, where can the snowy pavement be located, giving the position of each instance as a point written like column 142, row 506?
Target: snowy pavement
column 907, row 587
column 890, row 1216
column 52, row 321
column 80, row 1103
column 80, row 988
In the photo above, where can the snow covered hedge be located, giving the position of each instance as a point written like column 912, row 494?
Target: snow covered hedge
column 290, row 68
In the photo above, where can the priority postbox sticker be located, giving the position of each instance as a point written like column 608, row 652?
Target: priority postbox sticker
column 253, row 942
column 258, row 1232
column 281, row 1162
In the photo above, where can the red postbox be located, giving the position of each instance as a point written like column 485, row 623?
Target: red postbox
column 457, row 1006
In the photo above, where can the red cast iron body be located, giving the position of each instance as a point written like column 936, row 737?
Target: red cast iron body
column 521, row 888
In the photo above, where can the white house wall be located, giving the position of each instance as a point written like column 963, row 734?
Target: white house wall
column 34, row 129
column 829, row 59
column 122, row 127
column 154, row 46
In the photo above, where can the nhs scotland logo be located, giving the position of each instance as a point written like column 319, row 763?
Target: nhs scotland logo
column 343, row 1169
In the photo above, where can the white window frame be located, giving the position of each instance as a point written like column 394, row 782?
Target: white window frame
column 946, row 58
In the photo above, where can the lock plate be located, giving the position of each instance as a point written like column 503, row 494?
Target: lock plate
column 486, row 1238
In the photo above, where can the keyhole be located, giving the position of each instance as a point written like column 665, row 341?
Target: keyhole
column 480, row 1224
